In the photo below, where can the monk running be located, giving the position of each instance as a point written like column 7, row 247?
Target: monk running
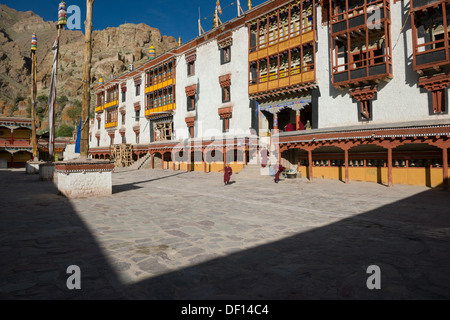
column 280, row 170
column 227, row 172
column 264, row 154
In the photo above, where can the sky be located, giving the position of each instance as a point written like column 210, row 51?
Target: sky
column 177, row 18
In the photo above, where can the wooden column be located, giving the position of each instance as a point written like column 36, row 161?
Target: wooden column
column 275, row 123
column 33, row 104
column 346, row 166
column 189, row 160
column 445, row 168
column 173, row 161
column 310, row 165
column 297, row 120
column 12, row 136
column 224, row 154
column 152, row 164
column 84, row 143
column 162, row 161
column 279, row 155
column 390, row 183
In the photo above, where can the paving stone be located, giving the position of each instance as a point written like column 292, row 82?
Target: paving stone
column 204, row 241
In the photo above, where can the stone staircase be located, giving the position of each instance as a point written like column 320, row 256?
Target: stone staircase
column 140, row 164
column 253, row 169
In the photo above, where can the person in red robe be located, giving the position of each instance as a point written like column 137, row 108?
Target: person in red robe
column 289, row 127
column 264, row 154
column 301, row 126
column 280, row 169
column 227, row 172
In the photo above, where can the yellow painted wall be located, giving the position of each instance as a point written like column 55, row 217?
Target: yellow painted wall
column 22, row 157
column 430, row 177
column 215, row 167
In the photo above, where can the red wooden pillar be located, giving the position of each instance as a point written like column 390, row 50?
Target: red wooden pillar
column 173, row 161
column 346, row 166
column 152, row 161
column 445, row 167
column 12, row 136
column 297, row 120
column 390, row 183
column 310, row 165
column 275, row 123
column 279, row 155
column 189, row 160
column 224, row 156
column 162, row 161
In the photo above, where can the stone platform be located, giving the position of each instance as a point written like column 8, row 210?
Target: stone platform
column 81, row 178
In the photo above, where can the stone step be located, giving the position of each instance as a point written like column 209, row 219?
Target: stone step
column 140, row 163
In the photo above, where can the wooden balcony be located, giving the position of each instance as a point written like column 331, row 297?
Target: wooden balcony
column 431, row 49
column 99, row 109
column 112, row 124
column 419, row 4
column 295, row 79
column 357, row 18
column 163, row 108
column 110, row 104
column 160, row 85
column 282, row 46
column 353, row 75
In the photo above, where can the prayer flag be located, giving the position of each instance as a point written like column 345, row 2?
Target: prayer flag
column 218, row 7
column 51, row 101
column 78, row 142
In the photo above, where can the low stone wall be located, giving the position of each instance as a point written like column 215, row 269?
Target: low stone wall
column 32, row 167
column 46, row 171
column 86, row 178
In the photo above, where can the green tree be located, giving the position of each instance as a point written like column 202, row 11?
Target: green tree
column 74, row 114
column 64, row 131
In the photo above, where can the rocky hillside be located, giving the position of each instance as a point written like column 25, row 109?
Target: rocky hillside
column 113, row 50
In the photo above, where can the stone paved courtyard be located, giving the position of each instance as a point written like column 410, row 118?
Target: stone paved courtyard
column 177, row 235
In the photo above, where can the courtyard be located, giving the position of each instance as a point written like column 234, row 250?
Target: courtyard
column 184, row 235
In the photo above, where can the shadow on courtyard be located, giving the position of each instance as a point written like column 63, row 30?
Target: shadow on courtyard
column 41, row 235
column 135, row 185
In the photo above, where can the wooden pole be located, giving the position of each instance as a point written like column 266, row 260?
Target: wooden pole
column 33, row 104
column 52, row 125
column 445, row 168
column 84, row 141
column 390, row 180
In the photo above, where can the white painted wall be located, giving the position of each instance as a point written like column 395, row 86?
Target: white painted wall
column 85, row 184
column 399, row 100
column 209, row 92
column 130, row 121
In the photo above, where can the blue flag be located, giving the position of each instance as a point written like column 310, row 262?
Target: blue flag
column 78, row 142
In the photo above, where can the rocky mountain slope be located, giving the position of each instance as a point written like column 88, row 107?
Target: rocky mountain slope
column 113, row 50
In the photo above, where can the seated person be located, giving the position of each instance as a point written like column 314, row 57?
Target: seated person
column 289, row 127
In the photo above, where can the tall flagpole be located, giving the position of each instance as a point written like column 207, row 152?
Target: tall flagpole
column 84, row 144
column 33, row 95
column 62, row 21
